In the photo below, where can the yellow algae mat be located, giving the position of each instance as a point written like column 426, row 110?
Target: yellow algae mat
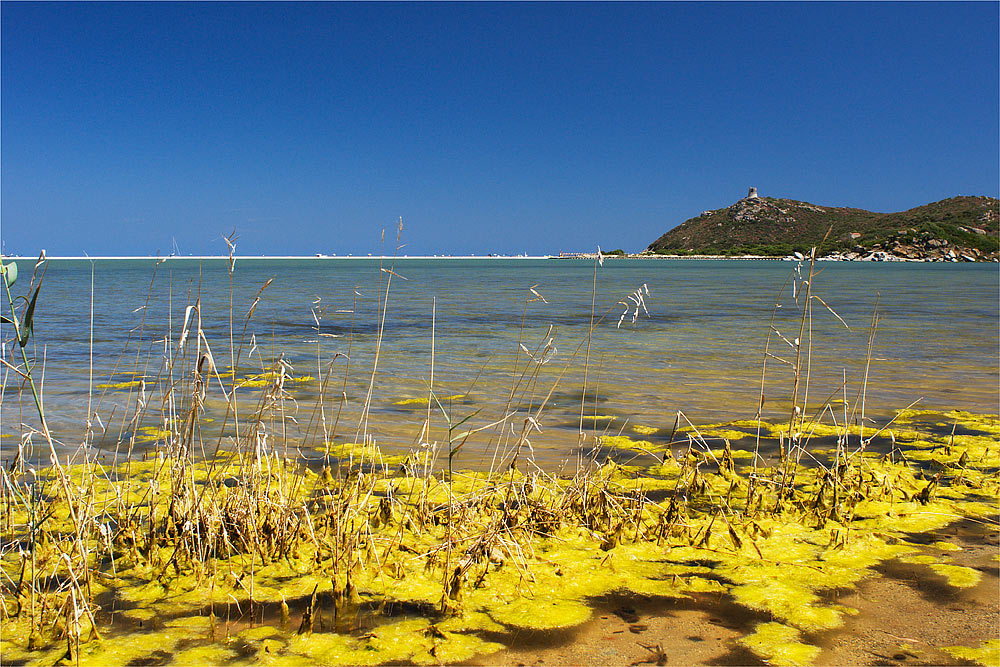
column 250, row 559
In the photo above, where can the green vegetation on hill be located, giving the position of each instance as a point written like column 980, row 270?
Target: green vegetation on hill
column 775, row 227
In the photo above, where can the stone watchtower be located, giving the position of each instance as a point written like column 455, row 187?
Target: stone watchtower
column 752, row 194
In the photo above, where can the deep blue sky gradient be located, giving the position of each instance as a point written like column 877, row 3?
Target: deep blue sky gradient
column 488, row 127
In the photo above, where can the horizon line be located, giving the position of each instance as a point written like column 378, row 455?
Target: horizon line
column 226, row 257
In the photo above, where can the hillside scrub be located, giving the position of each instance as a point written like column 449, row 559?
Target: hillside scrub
column 777, row 227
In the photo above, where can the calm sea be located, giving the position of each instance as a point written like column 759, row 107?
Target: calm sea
column 696, row 344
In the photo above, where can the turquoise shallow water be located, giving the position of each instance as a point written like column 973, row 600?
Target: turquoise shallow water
column 699, row 348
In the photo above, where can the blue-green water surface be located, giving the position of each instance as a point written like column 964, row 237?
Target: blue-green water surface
column 696, row 344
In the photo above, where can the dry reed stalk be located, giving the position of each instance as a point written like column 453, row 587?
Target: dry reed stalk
column 590, row 334
column 500, row 433
column 430, row 384
column 381, row 312
column 863, row 390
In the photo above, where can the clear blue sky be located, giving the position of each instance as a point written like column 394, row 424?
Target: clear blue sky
column 487, row 127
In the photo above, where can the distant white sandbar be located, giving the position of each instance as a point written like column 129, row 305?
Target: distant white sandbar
column 247, row 257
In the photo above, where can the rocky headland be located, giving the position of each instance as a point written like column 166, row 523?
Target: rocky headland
column 959, row 229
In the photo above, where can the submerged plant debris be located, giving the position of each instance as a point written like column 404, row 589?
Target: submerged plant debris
column 248, row 557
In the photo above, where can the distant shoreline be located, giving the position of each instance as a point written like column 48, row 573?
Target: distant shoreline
column 188, row 258
column 381, row 257
column 886, row 257
column 248, row 257
column 657, row 256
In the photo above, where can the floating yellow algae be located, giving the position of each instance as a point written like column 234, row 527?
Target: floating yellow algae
column 988, row 423
column 668, row 469
column 52, row 656
column 269, row 378
column 909, row 436
column 541, row 614
column 958, row 575
column 986, row 654
column 150, row 592
column 259, row 633
column 796, row 567
column 849, row 562
column 673, row 586
column 921, row 559
column 727, row 433
column 793, row 603
column 328, row 648
column 19, row 628
column 423, row 401
column 370, row 452
column 418, row 586
column 652, row 578
column 211, row 654
column 779, row 645
column 151, row 433
column 271, row 652
column 412, row 640
column 625, row 442
column 976, row 445
column 600, row 418
column 139, row 648
column 454, row 648
column 645, row 430
column 902, row 517
column 128, row 384
column 748, row 423
column 735, row 453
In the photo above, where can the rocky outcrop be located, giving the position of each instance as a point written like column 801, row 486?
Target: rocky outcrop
column 956, row 229
column 919, row 249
